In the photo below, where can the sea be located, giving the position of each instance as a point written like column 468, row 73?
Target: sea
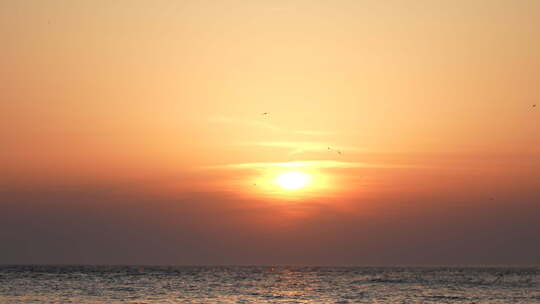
column 267, row 284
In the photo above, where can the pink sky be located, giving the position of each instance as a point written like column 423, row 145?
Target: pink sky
column 132, row 132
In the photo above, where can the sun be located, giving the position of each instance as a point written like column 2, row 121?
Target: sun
column 293, row 180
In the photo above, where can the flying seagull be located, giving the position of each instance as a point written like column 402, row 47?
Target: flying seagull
column 337, row 151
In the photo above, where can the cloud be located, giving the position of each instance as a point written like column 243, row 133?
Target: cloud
column 243, row 122
column 311, row 132
column 93, row 226
column 316, row 164
column 264, row 125
column 302, row 147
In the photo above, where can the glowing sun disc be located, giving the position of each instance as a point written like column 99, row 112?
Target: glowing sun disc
column 292, row 180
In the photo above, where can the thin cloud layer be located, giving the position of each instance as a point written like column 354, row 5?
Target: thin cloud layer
column 303, row 147
column 264, row 125
column 317, row 164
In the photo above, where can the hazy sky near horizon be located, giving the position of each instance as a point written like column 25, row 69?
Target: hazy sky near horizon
column 131, row 132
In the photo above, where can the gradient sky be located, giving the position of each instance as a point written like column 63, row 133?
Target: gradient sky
column 131, row 132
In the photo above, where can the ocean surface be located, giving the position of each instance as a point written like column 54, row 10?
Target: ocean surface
column 152, row 284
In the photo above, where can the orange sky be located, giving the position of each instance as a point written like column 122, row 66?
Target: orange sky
column 155, row 105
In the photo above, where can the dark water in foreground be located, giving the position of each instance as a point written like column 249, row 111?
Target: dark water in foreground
column 144, row 284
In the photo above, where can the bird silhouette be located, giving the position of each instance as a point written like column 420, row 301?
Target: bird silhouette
column 337, row 151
